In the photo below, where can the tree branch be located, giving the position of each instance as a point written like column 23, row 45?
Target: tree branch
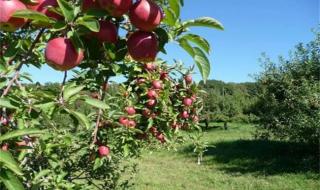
column 100, row 112
column 62, row 87
column 25, row 59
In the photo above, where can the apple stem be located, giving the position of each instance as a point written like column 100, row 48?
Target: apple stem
column 25, row 59
column 100, row 112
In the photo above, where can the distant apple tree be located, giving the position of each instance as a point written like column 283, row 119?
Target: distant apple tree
column 289, row 96
column 98, row 40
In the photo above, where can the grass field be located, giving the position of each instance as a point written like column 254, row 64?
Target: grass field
column 236, row 161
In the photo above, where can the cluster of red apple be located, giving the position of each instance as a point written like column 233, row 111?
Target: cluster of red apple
column 60, row 52
column 189, row 98
column 148, row 88
column 150, row 94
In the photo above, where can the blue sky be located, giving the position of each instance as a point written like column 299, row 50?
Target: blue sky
column 251, row 27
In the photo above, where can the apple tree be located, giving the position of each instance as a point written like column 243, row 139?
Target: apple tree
column 97, row 40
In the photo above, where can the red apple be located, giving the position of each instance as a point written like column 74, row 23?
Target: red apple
column 160, row 137
column 4, row 121
column 42, row 7
column 108, row 32
column 5, row 147
column 143, row 46
column 123, row 121
column 89, row 4
column 130, row 110
column 7, row 9
column 145, row 15
column 146, row 112
column 195, row 118
column 194, row 97
column 164, row 75
column 156, row 84
column 141, row 80
column 150, row 66
column 61, row 54
column 151, row 103
column 187, row 101
column 188, row 79
column 176, row 126
column 116, row 8
column 153, row 131
column 131, row 124
column 104, row 151
column 152, row 94
column 153, row 115
column 95, row 95
column 184, row 115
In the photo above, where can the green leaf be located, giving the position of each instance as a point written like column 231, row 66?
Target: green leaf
column 203, row 21
column 76, row 40
column 20, row 132
column 58, row 26
column 71, row 90
column 8, row 161
column 47, row 107
column 186, row 46
column 170, row 18
column 96, row 13
column 175, row 6
column 33, row 15
column 97, row 163
column 163, row 38
column 150, row 123
column 202, row 63
column 10, row 180
column 67, row 10
column 4, row 102
column 41, row 174
column 83, row 119
column 126, row 150
column 89, row 22
column 198, row 40
column 96, row 103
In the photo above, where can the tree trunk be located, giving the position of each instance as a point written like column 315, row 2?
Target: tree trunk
column 225, row 125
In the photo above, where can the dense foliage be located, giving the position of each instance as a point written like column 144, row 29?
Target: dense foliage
column 229, row 101
column 78, row 135
column 289, row 95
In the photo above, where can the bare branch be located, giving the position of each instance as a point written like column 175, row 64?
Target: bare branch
column 100, row 112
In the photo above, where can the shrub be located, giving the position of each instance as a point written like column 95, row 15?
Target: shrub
column 289, row 101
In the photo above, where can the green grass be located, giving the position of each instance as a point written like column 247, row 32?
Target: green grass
column 236, row 161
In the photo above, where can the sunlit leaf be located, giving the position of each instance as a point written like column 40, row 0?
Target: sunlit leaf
column 20, row 132
column 204, row 22
column 10, row 181
column 8, row 161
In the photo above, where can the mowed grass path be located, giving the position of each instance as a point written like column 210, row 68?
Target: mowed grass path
column 235, row 162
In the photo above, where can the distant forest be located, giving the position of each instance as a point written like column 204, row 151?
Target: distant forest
column 229, row 101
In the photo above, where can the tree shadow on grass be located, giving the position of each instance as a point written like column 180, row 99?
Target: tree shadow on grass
column 262, row 157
